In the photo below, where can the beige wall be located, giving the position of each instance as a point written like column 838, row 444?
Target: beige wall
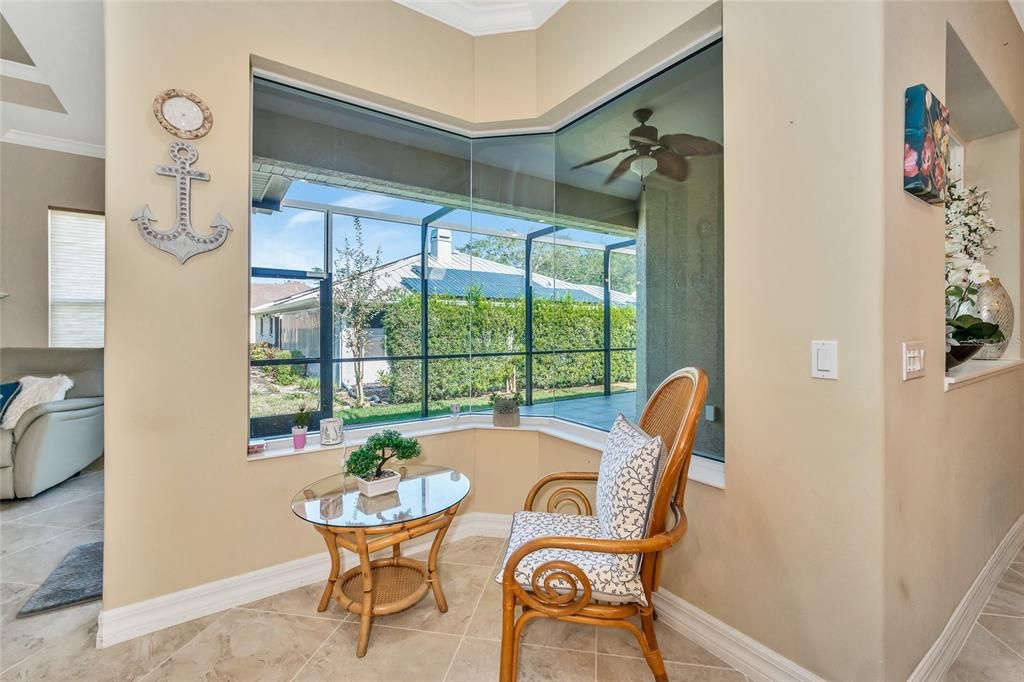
column 804, row 544
column 32, row 181
column 954, row 462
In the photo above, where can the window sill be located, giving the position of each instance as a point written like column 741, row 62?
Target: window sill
column 973, row 371
column 704, row 470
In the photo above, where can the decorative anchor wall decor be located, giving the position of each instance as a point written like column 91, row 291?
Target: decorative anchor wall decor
column 182, row 241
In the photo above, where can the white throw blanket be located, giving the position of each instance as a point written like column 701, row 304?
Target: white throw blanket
column 35, row 391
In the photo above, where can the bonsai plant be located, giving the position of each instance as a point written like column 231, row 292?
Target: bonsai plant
column 367, row 462
column 300, row 425
column 506, row 408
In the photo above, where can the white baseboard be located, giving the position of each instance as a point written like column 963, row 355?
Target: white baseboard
column 127, row 622
column 943, row 652
column 744, row 653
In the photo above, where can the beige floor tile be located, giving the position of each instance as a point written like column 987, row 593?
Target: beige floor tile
column 16, row 536
column 478, row 661
column 1008, row 597
column 1009, row 630
column 985, row 658
column 75, row 514
column 34, row 565
column 247, row 645
column 619, row 669
column 674, row 646
column 462, row 585
column 12, row 591
column 75, row 656
column 300, row 602
column 486, row 620
column 23, row 637
column 91, row 481
column 11, row 510
column 394, row 655
column 478, row 551
column 560, row 634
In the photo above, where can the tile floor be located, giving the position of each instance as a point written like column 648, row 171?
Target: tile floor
column 994, row 651
column 284, row 638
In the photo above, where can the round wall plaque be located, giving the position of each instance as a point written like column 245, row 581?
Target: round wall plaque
column 182, row 114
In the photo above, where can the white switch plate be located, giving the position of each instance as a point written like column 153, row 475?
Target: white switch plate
column 710, row 413
column 825, row 359
column 913, row 360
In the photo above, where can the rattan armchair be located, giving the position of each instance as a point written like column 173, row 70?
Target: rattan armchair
column 562, row 589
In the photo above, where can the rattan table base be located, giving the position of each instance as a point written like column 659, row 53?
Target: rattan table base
column 378, row 587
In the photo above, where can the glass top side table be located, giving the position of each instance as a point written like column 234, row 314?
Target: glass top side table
column 427, row 500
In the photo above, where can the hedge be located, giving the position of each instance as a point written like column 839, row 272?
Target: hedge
column 475, row 324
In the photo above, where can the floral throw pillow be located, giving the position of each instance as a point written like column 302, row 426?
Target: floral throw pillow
column 630, row 470
column 35, row 391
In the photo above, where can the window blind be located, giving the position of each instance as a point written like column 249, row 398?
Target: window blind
column 76, row 279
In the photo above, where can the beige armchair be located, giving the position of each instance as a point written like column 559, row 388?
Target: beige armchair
column 53, row 441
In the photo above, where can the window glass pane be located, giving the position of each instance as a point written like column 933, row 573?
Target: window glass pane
column 289, row 239
column 76, row 245
column 280, row 390
column 342, row 198
column 392, row 391
column 285, row 316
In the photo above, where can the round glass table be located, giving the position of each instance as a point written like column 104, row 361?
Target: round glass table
column 427, row 500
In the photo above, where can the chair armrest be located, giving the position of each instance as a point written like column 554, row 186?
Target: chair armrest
column 561, row 476
column 37, row 411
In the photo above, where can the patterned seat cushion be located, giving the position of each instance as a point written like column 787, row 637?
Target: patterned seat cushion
column 608, row 579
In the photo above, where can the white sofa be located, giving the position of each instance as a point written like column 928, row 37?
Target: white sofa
column 53, row 441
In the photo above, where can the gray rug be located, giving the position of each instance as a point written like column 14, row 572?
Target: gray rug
column 78, row 578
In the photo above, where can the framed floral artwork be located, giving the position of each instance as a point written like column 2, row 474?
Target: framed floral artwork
column 925, row 145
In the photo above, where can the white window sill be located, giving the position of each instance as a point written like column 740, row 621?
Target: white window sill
column 704, row 470
column 973, row 371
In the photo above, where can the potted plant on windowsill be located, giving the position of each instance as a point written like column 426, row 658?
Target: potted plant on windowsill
column 367, row 462
column 506, row 408
column 300, row 427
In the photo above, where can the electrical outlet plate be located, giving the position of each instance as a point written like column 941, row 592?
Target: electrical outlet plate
column 913, row 360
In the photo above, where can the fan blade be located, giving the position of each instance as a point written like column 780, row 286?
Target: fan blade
column 643, row 140
column 690, row 145
column 671, row 165
column 603, row 157
column 621, row 168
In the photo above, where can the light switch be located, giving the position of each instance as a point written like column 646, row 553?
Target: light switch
column 913, row 360
column 710, row 413
column 825, row 359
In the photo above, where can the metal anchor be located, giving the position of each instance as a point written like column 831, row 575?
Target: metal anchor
column 182, row 241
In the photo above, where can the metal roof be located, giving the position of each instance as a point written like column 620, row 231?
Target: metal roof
column 455, row 276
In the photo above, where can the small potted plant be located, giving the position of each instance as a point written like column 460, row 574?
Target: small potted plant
column 367, row 463
column 506, row 408
column 300, row 427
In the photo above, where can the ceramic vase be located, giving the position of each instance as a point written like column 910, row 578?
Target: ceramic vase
column 994, row 305
column 330, row 431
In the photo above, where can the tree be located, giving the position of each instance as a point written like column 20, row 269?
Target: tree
column 358, row 299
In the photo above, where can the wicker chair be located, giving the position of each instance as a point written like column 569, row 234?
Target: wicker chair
column 561, row 589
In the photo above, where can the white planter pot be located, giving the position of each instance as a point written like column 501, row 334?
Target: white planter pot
column 381, row 486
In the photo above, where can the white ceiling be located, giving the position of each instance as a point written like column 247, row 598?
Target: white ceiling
column 65, row 40
column 485, row 17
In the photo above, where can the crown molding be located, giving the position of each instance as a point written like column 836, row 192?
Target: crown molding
column 56, row 144
column 481, row 18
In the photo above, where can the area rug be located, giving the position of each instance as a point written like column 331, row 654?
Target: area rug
column 78, row 578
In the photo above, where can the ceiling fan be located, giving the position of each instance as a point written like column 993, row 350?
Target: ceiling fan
column 665, row 155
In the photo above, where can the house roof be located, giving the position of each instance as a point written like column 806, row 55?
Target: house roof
column 496, row 280
column 261, row 293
